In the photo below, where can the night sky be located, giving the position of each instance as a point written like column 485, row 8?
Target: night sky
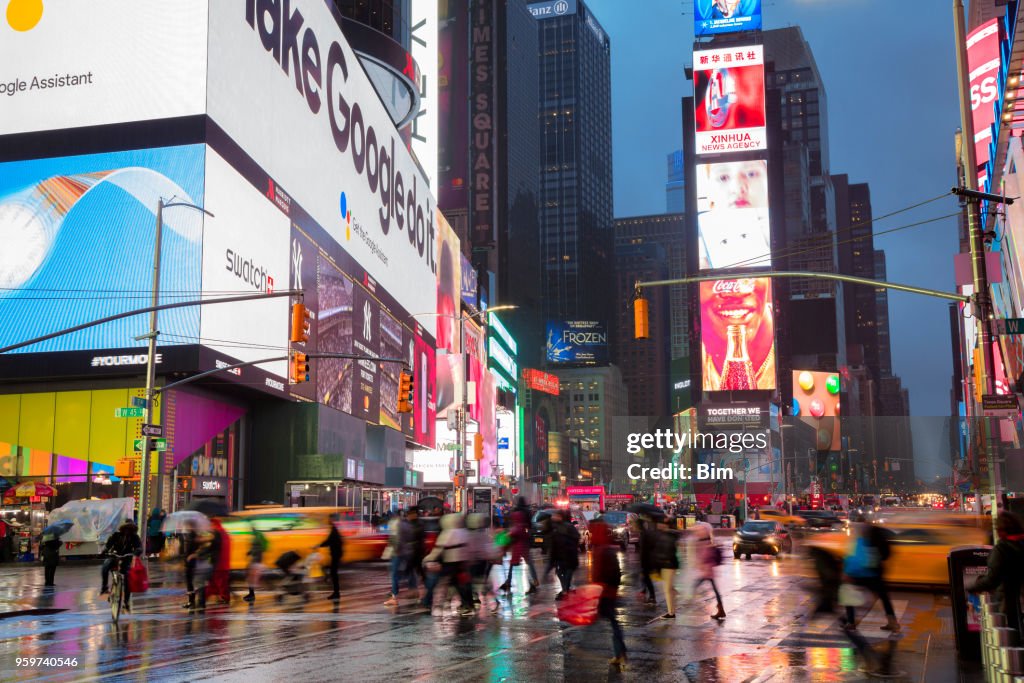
column 890, row 76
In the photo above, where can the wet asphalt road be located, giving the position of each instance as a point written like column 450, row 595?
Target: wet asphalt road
column 767, row 635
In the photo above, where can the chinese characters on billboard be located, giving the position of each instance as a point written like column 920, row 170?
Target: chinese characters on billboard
column 737, row 334
column 728, row 99
column 725, row 16
column 816, row 402
column 983, row 67
column 732, row 215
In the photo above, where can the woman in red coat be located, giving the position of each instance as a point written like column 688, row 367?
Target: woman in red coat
column 220, row 582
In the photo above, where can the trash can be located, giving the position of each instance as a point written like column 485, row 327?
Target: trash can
column 966, row 564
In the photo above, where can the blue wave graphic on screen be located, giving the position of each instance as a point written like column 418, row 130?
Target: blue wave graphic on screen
column 87, row 224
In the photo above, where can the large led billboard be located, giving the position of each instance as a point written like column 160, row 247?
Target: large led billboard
column 816, row 402
column 983, row 67
column 577, row 341
column 728, row 99
column 85, row 223
column 737, row 333
column 357, row 179
column 69, row 64
column 725, row 16
column 732, row 215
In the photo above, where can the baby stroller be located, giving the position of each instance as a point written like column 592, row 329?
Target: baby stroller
column 298, row 573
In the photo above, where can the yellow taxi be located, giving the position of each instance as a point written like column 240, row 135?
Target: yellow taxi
column 299, row 530
column 919, row 547
column 780, row 516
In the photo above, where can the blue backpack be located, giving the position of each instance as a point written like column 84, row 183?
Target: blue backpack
column 864, row 562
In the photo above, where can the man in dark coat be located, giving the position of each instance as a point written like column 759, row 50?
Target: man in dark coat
column 522, row 540
column 49, row 549
column 335, row 543
column 1006, row 569
column 565, row 544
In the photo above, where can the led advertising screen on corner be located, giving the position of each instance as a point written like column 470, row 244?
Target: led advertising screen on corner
column 358, row 180
column 85, row 223
column 728, row 99
column 816, row 402
column 737, row 334
column 732, row 215
column 725, row 16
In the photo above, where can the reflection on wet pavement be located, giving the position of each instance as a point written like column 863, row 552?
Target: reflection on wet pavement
column 766, row 636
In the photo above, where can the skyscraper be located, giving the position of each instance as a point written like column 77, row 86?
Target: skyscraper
column 675, row 190
column 576, row 166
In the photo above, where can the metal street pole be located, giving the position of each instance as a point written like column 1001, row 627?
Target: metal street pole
column 150, row 370
column 463, row 491
column 982, row 303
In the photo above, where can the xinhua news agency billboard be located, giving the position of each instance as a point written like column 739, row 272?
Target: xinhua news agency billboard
column 728, row 99
column 577, row 341
column 725, row 16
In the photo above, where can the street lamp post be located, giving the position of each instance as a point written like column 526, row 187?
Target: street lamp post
column 151, row 358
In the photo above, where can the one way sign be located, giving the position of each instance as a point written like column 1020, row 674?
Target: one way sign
column 152, row 430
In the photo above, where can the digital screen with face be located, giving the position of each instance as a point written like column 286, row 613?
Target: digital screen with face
column 737, row 332
column 725, row 16
column 728, row 99
column 732, row 215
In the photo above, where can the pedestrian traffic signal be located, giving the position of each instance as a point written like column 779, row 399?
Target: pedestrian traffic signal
column 405, row 389
column 641, row 326
column 300, row 368
column 478, row 446
column 300, row 324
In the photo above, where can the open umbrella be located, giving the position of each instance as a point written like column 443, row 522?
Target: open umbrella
column 430, row 503
column 647, row 509
column 60, row 528
column 182, row 520
column 33, row 488
column 210, row 507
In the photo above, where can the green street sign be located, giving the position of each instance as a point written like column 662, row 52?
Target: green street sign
column 157, row 444
column 128, row 412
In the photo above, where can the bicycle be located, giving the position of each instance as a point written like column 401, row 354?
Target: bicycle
column 117, row 598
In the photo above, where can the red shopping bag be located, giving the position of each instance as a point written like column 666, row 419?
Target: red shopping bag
column 580, row 607
column 138, row 577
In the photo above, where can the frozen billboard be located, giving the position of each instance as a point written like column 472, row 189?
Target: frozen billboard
column 728, row 98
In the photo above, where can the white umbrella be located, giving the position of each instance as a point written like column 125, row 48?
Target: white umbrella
column 183, row 520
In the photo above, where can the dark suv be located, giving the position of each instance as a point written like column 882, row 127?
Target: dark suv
column 761, row 538
column 821, row 519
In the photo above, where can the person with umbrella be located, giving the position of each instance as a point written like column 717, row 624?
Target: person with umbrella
column 49, row 549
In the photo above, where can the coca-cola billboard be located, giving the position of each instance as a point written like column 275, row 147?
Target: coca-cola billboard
column 737, row 334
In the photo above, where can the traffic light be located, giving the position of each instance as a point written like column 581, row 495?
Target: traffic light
column 478, row 446
column 300, row 368
column 300, row 324
column 405, row 392
column 641, row 327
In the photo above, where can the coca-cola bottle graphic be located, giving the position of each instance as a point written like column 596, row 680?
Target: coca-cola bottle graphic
column 737, row 371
